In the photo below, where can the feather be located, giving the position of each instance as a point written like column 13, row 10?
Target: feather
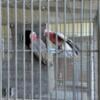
column 62, row 42
column 36, row 44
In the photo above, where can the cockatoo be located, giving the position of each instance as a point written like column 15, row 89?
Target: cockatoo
column 65, row 46
column 36, row 45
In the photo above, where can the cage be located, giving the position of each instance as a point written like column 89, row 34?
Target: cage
column 24, row 75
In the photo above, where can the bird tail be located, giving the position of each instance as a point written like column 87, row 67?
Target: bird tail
column 74, row 47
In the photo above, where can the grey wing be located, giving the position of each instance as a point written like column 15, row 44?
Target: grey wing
column 37, row 45
column 44, row 54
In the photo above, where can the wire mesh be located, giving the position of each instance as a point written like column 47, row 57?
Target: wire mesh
column 24, row 72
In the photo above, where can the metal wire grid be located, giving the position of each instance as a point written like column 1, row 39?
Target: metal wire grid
column 0, row 52
column 90, row 84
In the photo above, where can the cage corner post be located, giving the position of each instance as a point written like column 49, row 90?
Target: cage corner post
column 97, row 30
column 98, row 38
column 0, row 53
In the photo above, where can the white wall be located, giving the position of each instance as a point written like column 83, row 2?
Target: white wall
column 44, row 16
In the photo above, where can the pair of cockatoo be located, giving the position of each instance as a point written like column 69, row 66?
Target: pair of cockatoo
column 38, row 46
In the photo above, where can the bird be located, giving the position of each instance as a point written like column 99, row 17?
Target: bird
column 37, row 46
column 65, row 45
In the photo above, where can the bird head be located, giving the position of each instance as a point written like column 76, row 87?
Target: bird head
column 47, row 32
column 33, row 36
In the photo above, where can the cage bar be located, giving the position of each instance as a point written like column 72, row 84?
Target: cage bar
column 63, row 77
column 40, row 50
column 0, row 50
column 8, row 62
column 32, row 59
column 24, row 57
column 16, row 50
